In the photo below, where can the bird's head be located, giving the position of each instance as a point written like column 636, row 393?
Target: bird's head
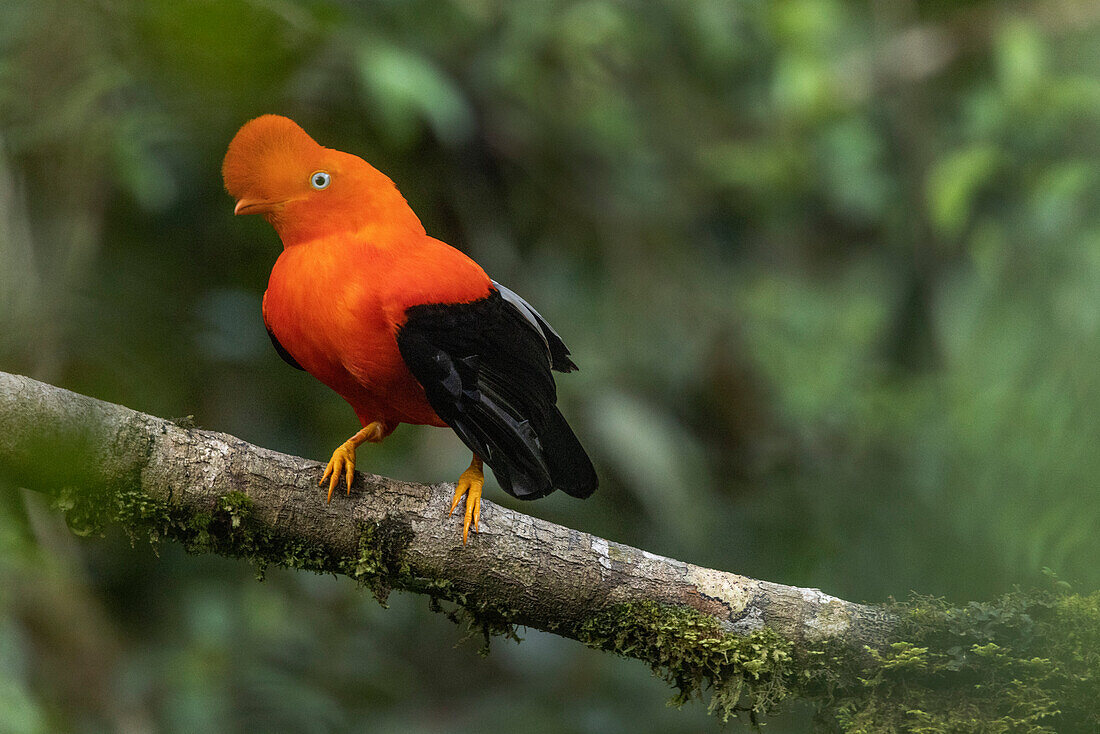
column 274, row 168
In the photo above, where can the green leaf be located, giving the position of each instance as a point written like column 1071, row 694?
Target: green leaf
column 407, row 88
column 954, row 182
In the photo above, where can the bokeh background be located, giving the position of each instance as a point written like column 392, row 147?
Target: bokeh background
column 831, row 271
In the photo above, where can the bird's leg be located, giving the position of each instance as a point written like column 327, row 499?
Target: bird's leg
column 342, row 462
column 469, row 484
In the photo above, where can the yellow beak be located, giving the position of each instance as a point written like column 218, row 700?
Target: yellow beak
column 256, row 206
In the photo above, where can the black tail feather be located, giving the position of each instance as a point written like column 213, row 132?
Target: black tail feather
column 563, row 463
column 571, row 470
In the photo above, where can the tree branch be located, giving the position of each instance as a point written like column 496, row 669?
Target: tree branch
column 158, row 477
column 552, row 578
column 749, row 642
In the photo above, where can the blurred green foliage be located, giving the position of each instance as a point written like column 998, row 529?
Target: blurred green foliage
column 831, row 270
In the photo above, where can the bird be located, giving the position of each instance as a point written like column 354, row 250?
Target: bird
column 404, row 327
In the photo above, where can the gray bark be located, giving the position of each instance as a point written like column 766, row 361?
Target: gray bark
column 545, row 575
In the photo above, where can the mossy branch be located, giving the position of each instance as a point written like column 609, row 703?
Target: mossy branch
column 748, row 643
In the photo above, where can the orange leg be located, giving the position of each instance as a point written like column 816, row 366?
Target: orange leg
column 469, row 484
column 342, row 462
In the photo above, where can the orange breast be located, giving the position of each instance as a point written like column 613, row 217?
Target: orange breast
column 335, row 304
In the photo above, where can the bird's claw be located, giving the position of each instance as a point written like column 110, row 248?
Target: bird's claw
column 469, row 484
column 340, row 465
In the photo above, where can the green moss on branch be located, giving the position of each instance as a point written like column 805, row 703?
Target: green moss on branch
column 687, row 649
column 229, row 528
column 1027, row 662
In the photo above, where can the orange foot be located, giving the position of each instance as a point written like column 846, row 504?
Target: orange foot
column 469, row 484
column 342, row 463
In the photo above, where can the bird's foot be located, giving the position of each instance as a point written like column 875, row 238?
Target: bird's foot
column 469, row 484
column 341, row 464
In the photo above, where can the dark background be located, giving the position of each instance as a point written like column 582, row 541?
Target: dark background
column 831, row 271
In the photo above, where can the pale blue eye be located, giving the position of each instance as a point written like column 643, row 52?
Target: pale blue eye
column 320, row 180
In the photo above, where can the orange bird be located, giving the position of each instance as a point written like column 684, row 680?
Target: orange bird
column 404, row 327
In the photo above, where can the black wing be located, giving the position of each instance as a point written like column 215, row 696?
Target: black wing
column 282, row 351
column 485, row 368
column 279, row 348
column 555, row 347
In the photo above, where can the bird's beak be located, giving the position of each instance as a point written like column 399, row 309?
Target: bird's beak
column 256, row 206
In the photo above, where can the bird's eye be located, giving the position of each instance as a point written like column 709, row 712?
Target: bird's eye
column 319, row 180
